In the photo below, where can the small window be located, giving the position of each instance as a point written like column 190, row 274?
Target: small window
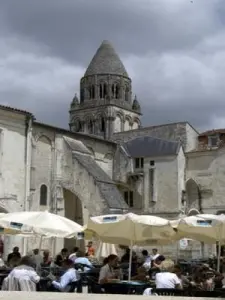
column 127, row 94
column 102, row 125
column 139, row 163
column 78, row 126
column 101, row 91
column 90, row 127
column 131, row 202
column 82, row 95
column 92, row 92
column 129, row 198
column 105, row 91
column 43, row 195
column 126, row 197
column 152, row 163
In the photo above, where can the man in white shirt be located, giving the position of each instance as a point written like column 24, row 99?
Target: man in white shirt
column 147, row 260
column 155, row 254
column 68, row 277
column 84, row 261
column 73, row 255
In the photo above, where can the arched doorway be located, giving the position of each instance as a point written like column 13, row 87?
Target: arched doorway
column 193, row 194
column 193, row 212
column 73, row 211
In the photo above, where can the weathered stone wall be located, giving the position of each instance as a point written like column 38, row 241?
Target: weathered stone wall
column 12, row 167
column 207, row 169
column 166, row 200
column 191, row 138
column 122, row 166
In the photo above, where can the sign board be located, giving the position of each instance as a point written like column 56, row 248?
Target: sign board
column 183, row 244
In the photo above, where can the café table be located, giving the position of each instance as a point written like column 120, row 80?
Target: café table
column 126, row 287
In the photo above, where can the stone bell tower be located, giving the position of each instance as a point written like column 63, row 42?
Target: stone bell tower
column 106, row 105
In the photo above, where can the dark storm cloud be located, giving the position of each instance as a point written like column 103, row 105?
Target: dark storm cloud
column 173, row 49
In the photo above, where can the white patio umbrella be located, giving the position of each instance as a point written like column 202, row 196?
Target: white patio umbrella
column 206, row 228
column 127, row 228
column 130, row 229
column 40, row 223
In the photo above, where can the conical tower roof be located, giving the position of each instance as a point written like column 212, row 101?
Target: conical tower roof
column 106, row 61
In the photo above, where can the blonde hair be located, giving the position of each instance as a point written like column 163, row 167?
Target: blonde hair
column 167, row 265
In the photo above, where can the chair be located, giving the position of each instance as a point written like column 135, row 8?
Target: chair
column 208, row 294
column 168, row 292
column 93, row 286
column 76, row 285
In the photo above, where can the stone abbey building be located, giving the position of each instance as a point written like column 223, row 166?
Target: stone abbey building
column 106, row 162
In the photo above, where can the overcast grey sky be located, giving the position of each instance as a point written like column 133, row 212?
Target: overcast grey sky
column 174, row 51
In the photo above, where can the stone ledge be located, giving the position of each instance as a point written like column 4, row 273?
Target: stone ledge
column 65, row 296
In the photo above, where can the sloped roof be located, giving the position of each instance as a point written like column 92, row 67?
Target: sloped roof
column 212, row 132
column 106, row 186
column 16, row 110
column 106, row 61
column 147, row 146
column 76, row 145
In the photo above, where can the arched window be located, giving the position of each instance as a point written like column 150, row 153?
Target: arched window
column 100, row 91
column 43, row 195
column 92, row 92
column 102, row 125
column 127, row 94
column 115, row 91
column 90, row 127
column 82, row 95
column 105, row 91
column 89, row 92
column 78, row 126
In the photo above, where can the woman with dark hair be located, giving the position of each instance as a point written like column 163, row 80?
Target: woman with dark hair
column 23, row 277
column 107, row 271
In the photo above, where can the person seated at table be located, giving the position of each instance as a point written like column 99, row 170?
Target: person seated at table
column 73, row 254
column 67, row 278
column 37, row 257
column 2, row 263
column 61, row 257
column 107, row 272
column 46, row 261
column 155, row 254
column 14, row 254
column 158, row 261
column 14, row 262
column 82, row 260
column 147, row 260
column 141, row 274
column 126, row 256
column 166, row 279
column 23, row 277
column 185, row 282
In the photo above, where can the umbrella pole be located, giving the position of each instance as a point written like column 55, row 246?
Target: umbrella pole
column 40, row 243
column 130, row 260
column 218, row 256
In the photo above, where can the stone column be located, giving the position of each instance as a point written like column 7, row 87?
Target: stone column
column 110, row 126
